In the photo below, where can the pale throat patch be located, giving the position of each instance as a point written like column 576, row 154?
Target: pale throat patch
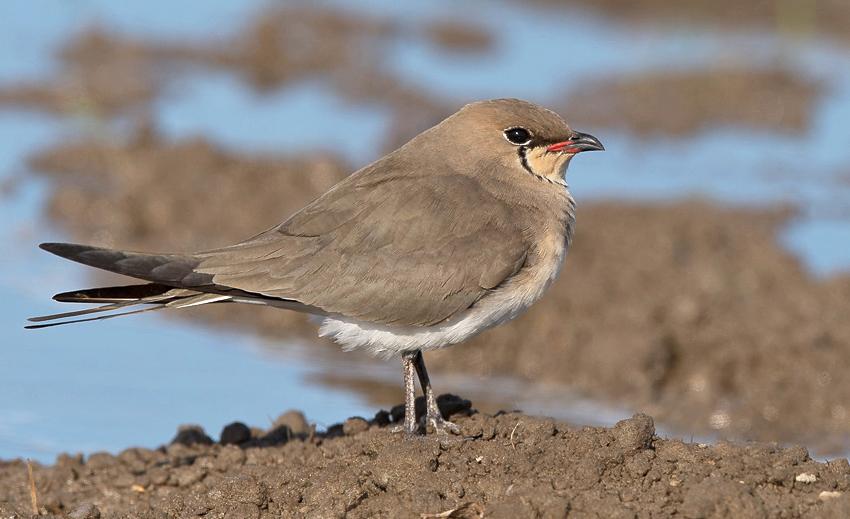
column 551, row 166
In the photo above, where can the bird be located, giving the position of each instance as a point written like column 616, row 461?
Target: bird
column 461, row 229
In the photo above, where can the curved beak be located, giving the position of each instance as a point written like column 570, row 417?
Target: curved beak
column 578, row 143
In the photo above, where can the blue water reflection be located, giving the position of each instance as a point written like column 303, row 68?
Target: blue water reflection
column 88, row 388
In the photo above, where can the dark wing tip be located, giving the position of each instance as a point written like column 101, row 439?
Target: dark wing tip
column 51, row 246
column 65, row 250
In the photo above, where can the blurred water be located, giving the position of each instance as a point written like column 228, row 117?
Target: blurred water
column 274, row 122
column 91, row 389
column 80, row 389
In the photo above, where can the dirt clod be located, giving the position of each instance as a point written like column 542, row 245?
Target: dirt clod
column 190, row 435
column 235, row 433
column 354, row 425
column 636, row 433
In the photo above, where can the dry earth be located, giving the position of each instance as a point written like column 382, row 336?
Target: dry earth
column 506, row 466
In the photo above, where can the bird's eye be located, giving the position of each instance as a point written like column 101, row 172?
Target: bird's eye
column 517, row 136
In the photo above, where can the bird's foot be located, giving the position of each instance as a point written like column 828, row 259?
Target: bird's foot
column 402, row 429
column 441, row 425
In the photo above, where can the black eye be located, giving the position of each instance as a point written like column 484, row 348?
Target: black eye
column 517, row 135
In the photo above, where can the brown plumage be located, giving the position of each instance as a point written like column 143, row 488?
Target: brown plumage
column 459, row 230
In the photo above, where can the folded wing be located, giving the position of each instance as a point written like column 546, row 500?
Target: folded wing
column 388, row 249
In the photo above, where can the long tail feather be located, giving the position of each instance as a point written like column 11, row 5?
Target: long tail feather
column 87, row 311
column 176, row 298
column 119, row 294
column 118, row 297
column 98, row 318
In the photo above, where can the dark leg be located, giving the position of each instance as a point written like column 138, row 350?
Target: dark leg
column 432, row 413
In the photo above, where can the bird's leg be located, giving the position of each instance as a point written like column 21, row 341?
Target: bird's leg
column 407, row 362
column 432, row 411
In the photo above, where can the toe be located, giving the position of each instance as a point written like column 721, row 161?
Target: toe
column 443, row 426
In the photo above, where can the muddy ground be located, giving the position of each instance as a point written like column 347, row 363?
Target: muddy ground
column 689, row 312
column 794, row 19
column 506, row 466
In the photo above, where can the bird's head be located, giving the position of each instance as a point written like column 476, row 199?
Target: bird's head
column 521, row 135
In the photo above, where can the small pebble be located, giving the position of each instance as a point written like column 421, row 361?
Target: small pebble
column 279, row 435
column 85, row 511
column 805, row 477
column 450, row 404
column 296, row 422
column 382, row 418
column 235, row 433
column 397, row 413
column 827, row 495
column 191, row 435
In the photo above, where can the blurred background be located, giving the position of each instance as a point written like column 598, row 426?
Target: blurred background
column 707, row 283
